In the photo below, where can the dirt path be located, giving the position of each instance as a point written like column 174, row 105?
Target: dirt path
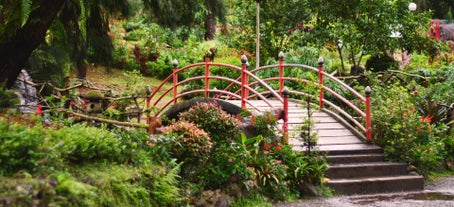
column 438, row 193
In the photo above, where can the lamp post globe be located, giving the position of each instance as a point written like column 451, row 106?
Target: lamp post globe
column 412, row 6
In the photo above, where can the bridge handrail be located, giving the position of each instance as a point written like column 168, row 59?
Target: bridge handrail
column 209, row 90
column 207, row 77
column 353, row 91
column 246, row 74
column 334, row 93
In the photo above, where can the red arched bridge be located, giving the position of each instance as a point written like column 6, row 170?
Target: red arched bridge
column 250, row 91
column 342, row 124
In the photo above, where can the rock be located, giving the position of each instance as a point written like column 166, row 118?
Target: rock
column 222, row 202
column 412, row 168
column 308, row 189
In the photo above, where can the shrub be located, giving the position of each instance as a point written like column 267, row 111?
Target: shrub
column 405, row 134
column 190, row 144
column 82, row 166
column 80, row 143
column 7, row 98
column 381, row 62
column 220, row 126
column 24, row 148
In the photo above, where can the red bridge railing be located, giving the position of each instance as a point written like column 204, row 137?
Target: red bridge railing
column 249, row 83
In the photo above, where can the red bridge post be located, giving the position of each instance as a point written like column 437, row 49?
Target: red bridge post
column 285, row 93
column 207, row 74
column 320, row 81
column 368, row 115
column 244, row 81
column 281, row 72
column 175, row 81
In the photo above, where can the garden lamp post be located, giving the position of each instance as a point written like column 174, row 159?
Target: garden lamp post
column 412, row 6
column 257, row 44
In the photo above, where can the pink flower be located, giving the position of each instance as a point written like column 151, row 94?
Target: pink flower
column 415, row 92
column 86, row 101
column 72, row 104
column 230, row 160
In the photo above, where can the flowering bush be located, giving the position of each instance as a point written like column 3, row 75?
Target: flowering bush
column 239, row 165
column 189, row 142
column 263, row 124
column 220, row 126
column 406, row 133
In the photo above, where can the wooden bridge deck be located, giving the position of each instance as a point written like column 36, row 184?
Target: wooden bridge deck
column 332, row 134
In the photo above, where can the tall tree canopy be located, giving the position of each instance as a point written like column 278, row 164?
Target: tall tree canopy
column 367, row 27
column 277, row 19
column 27, row 23
column 184, row 13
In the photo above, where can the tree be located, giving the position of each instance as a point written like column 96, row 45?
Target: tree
column 184, row 13
column 23, row 33
column 277, row 19
column 214, row 8
column 27, row 22
column 366, row 27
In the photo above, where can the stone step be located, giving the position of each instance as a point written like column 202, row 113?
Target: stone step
column 349, row 149
column 377, row 185
column 366, row 169
column 338, row 159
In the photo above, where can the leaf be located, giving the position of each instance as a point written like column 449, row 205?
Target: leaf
column 26, row 6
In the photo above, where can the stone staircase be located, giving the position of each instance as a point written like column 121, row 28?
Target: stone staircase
column 359, row 170
column 354, row 166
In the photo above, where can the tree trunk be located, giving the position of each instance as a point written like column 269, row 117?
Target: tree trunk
column 15, row 51
column 210, row 27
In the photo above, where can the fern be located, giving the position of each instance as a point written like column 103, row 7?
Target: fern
column 26, row 8
column 83, row 19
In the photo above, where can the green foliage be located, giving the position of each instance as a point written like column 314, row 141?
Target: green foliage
column 26, row 8
column 355, row 23
column 189, row 143
column 135, row 149
column 405, row 134
column 160, row 68
column 14, row 15
column 381, row 62
column 220, row 126
column 49, row 63
column 83, row 166
column 80, row 143
column 131, row 186
column 75, row 192
column 24, row 148
column 24, row 190
column 275, row 25
column 7, row 98
column 265, row 125
column 252, row 201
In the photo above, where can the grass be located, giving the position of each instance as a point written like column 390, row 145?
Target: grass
column 124, row 83
column 435, row 175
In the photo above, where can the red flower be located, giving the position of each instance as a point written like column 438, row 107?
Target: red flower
column 278, row 147
column 429, row 118
column 415, row 92
column 266, row 146
column 38, row 110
